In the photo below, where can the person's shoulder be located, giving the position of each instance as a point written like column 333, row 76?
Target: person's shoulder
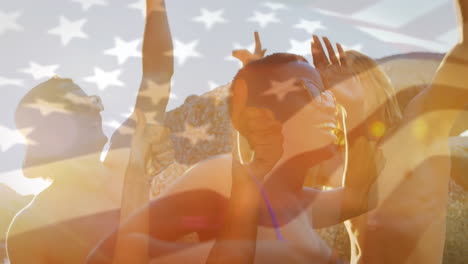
column 23, row 244
column 211, row 174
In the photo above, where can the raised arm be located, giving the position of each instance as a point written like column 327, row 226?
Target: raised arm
column 246, row 57
column 442, row 102
column 158, row 62
column 150, row 106
column 153, row 94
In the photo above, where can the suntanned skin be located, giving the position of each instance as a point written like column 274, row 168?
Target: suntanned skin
column 65, row 222
column 179, row 211
column 408, row 225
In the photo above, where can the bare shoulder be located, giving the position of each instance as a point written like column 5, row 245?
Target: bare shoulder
column 25, row 247
column 211, row 174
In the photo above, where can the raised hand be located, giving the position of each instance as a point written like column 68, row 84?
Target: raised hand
column 340, row 80
column 262, row 131
column 332, row 68
column 245, row 56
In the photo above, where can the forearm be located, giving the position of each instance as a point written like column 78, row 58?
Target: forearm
column 236, row 242
column 462, row 13
column 446, row 96
column 135, row 195
column 158, row 67
column 327, row 208
column 440, row 104
column 158, row 60
column 136, row 189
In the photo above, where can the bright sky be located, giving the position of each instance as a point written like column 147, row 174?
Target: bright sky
column 391, row 14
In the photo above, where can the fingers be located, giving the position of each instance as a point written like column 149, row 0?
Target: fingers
column 243, row 55
column 258, row 46
column 269, row 153
column 258, row 112
column 262, row 128
column 318, row 54
column 255, row 118
column 270, row 137
column 262, row 125
column 331, row 51
column 258, row 43
column 342, row 54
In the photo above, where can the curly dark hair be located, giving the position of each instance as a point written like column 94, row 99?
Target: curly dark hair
column 259, row 75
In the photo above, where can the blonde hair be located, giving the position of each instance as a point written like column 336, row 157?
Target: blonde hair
column 377, row 86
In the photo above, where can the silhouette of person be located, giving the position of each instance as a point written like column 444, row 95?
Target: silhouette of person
column 65, row 145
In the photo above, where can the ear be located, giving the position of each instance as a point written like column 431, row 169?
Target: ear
column 239, row 100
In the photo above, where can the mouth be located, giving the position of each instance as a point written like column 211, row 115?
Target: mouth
column 327, row 126
column 334, row 130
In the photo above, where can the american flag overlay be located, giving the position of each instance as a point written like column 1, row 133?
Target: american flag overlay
column 97, row 43
column 174, row 106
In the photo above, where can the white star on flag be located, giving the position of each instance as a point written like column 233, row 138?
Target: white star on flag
column 104, row 79
column 86, row 4
column 139, row 5
column 195, row 134
column 124, row 50
column 155, row 92
column 46, row 108
column 7, row 81
column 10, row 137
column 31, row 54
column 113, row 124
column 300, row 47
column 184, row 51
column 210, row 18
column 282, row 89
column 8, row 22
column 309, row 26
column 68, row 30
column 263, row 19
column 394, row 37
column 275, row 6
column 357, row 47
column 40, row 71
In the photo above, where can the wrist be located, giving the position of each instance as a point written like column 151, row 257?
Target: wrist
column 136, row 160
column 356, row 199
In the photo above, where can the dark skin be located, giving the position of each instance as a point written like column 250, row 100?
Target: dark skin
column 283, row 192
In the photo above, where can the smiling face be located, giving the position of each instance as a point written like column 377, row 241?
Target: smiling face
column 63, row 122
column 293, row 91
column 312, row 126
